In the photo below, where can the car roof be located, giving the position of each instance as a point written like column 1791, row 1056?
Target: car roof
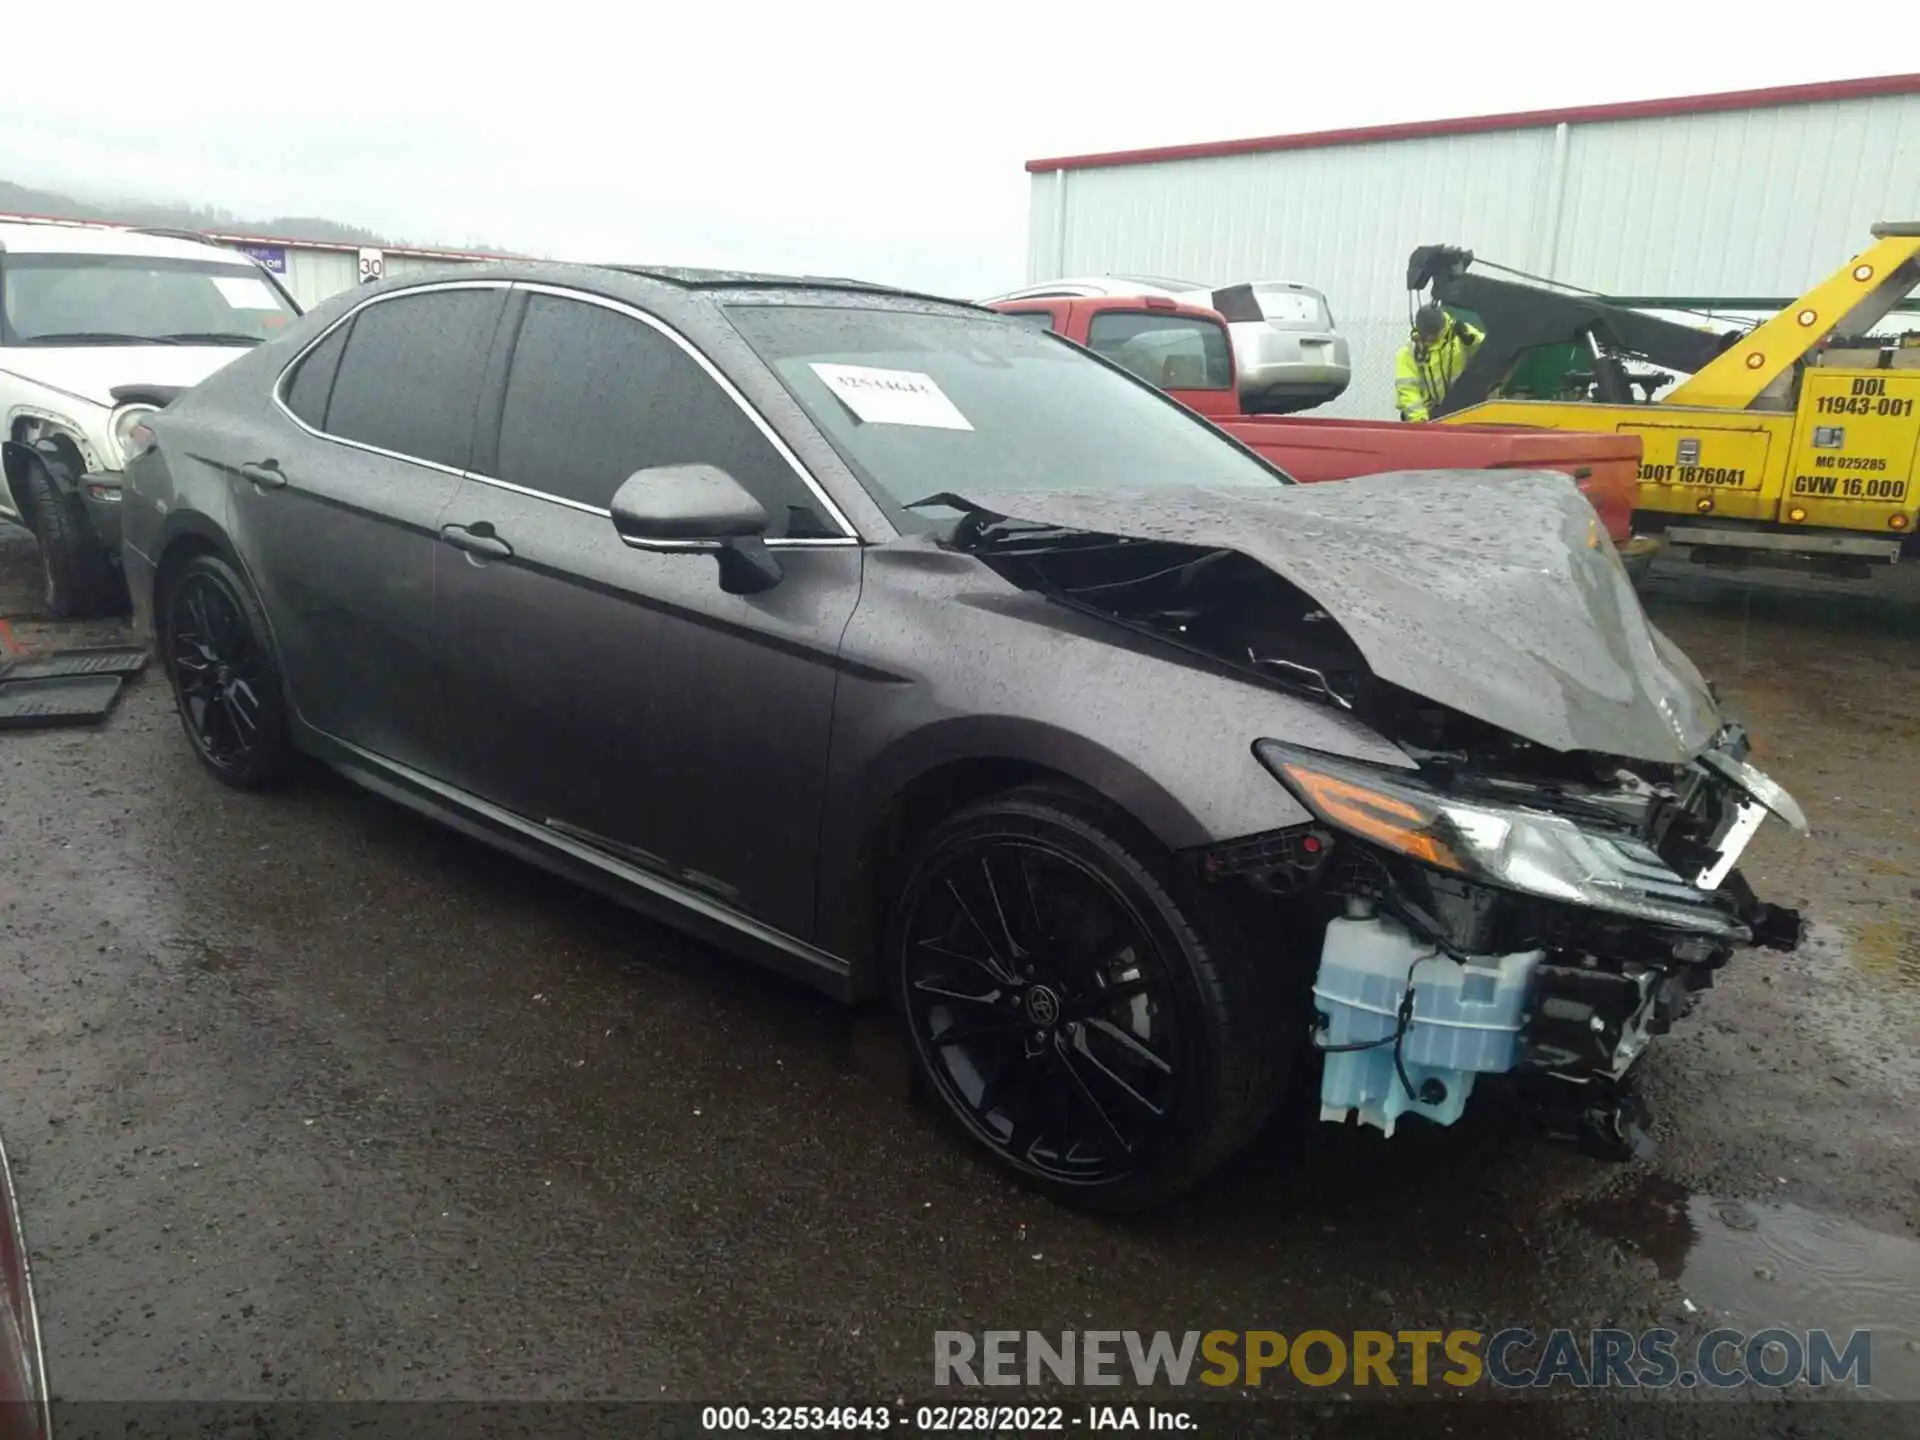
column 695, row 279
column 1162, row 282
column 1094, row 286
column 1126, row 304
column 1085, row 287
column 1070, row 287
column 18, row 238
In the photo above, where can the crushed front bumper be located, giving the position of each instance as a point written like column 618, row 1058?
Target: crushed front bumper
column 1412, row 1009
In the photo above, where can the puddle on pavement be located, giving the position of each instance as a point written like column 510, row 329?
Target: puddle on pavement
column 1884, row 954
column 1885, row 949
column 1750, row 1265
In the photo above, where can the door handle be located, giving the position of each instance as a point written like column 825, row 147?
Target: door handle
column 265, row 475
column 476, row 539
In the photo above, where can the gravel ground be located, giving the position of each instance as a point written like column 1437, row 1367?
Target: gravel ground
column 310, row 1099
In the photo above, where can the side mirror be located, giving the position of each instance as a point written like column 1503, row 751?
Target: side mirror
column 698, row 508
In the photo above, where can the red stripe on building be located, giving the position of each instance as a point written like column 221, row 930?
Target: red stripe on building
column 1779, row 95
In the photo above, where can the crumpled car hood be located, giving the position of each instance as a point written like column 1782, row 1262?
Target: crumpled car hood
column 1494, row 592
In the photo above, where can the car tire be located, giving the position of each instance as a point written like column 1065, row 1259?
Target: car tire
column 1103, row 1040
column 77, row 574
column 225, row 674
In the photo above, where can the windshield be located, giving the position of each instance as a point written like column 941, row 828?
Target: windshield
column 134, row 300
column 922, row 404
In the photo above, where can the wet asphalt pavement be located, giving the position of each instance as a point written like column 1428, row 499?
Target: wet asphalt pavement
column 311, row 1099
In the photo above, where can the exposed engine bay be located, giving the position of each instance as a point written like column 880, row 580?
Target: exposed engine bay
column 1227, row 607
column 1505, row 907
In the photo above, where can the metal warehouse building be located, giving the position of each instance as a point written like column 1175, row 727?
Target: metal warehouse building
column 1744, row 194
column 314, row 269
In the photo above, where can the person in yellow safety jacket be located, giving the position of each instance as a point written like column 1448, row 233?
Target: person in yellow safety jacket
column 1431, row 360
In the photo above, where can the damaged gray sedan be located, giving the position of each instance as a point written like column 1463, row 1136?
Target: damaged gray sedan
column 920, row 654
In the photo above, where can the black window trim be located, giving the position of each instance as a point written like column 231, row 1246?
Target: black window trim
column 849, row 536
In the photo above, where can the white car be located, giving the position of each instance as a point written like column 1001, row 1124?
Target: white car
column 100, row 327
column 1286, row 350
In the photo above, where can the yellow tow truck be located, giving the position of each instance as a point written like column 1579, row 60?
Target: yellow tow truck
column 1796, row 443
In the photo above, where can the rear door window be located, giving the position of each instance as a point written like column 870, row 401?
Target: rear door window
column 1174, row 352
column 594, row 395
column 409, row 378
column 1032, row 319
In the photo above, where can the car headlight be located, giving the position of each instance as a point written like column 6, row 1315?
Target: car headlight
column 1533, row 851
column 124, row 443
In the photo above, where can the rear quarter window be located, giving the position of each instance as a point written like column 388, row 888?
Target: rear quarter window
column 310, row 384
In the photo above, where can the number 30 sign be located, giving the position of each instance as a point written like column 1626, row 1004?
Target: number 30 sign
column 373, row 265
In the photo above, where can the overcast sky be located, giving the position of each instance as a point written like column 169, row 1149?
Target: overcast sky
column 880, row 140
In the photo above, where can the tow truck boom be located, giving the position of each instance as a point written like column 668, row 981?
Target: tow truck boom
column 1519, row 317
column 1794, row 443
column 1836, row 306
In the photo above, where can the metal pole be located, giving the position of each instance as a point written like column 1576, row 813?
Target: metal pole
column 1548, row 259
column 1059, row 227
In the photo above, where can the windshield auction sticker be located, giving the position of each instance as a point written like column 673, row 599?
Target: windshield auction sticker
column 892, row 397
column 245, row 292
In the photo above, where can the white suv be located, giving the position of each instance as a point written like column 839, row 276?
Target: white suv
column 98, row 328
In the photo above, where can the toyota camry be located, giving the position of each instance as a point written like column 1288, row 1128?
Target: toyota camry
column 923, row 655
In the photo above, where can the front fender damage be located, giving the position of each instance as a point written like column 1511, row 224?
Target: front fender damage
column 1537, row 689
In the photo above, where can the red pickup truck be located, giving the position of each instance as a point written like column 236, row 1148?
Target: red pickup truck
column 1185, row 351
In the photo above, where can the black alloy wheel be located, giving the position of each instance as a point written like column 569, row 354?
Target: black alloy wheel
column 226, row 682
column 1066, row 1012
